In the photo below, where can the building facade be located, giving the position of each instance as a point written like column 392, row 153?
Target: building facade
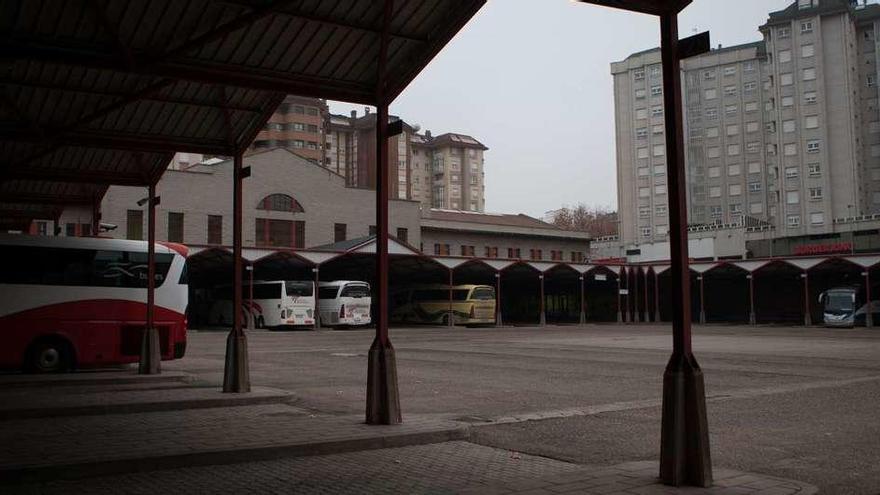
column 298, row 125
column 781, row 134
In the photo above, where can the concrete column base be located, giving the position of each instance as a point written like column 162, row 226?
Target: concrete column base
column 619, row 317
column 542, row 321
column 702, row 317
column 236, row 375
column 752, row 319
column 684, row 442
column 645, row 317
column 151, row 358
column 383, row 398
column 808, row 321
column 583, row 319
column 869, row 318
column 498, row 321
column 450, row 319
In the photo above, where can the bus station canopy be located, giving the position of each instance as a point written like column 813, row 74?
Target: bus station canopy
column 98, row 92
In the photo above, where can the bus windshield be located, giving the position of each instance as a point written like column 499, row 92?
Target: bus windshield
column 839, row 302
column 299, row 289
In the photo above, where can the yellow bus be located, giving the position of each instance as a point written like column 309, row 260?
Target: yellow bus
column 471, row 304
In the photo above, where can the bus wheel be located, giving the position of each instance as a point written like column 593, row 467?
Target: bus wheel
column 49, row 355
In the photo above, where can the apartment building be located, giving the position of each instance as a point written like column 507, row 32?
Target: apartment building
column 457, row 177
column 297, row 125
column 781, row 133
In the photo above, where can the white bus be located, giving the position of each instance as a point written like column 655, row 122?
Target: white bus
column 68, row 302
column 344, row 302
column 276, row 304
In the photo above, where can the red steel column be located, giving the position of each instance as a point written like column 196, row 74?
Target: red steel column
column 702, row 300
column 151, row 354
column 498, row 321
column 869, row 309
column 808, row 317
column 383, row 399
column 635, row 295
column 542, row 319
column 450, row 314
column 583, row 299
column 647, row 309
column 96, row 218
column 752, row 319
column 620, row 275
column 684, row 441
column 317, row 313
column 656, row 296
column 236, row 375
column 252, row 323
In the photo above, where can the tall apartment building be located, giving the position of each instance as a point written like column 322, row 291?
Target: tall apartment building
column 298, row 125
column 783, row 132
column 445, row 171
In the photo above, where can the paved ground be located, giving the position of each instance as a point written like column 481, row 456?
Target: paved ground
column 790, row 402
column 552, row 409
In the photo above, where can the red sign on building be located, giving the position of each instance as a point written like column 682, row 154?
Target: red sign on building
column 832, row 248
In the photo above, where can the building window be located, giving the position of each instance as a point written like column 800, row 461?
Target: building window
column 784, row 32
column 754, row 167
column 809, row 74
column 813, row 146
column 733, row 150
column 714, row 172
column 734, row 189
column 657, row 112
column 644, row 192
column 792, row 197
column 810, row 98
column 748, row 87
column 372, row 230
column 641, row 133
column 577, row 257
column 70, row 230
column 402, row 234
column 536, row 254
column 644, row 171
column 711, row 113
column 807, row 27
column 491, row 251
column 751, row 106
column 786, row 79
column 733, row 170
column 807, row 51
column 656, row 90
column 642, row 113
column 815, row 193
column 756, row 208
column 514, row 253
column 467, row 250
column 817, row 218
column 784, row 56
column 730, row 91
column 660, row 211
column 711, row 94
column 730, row 70
column 279, row 233
column 811, row 122
column 640, row 93
column 644, row 211
column 790, row 149
column 715, row 191
column 871, row 81
column 339, row 232
column 791, row 172
column 753, row 147
column 175, row 227
column 215, row 229
column 555, row 255
column 646, row 231
column 441, row 249
column 793, row 220
column 657, row 129
column 730, row 110
column 660, row 190
column 639, row 74
column 642, row 153
column 659, row 149
column 716, row 211
column 814, row 169
column 787, row 101
column 134, row 225
column 279, row 202
column 754, row 187
column 708, row 75
column 748, row 66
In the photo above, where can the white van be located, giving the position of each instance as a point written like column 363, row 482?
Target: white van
column 277, row 303
column 344, row 302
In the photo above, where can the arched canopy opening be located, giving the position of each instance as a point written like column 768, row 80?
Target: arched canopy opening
column 521, row 294
column 600, row 285
column 562, row 294
column 474, row 272
column 726, row 288
column 779, row 293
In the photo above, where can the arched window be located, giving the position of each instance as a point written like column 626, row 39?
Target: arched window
column 279, row 202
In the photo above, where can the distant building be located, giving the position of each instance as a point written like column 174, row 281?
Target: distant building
column 781, row 134
column 297, row 125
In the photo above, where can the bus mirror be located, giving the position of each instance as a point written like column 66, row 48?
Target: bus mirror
column 821, row 297
column 853, row 297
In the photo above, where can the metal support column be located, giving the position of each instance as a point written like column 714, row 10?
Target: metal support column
column 151, row 355
column 498, row 320
column 542, row 319
column 317, row 313
column 450, row 314
column 647, row 311
column 808, row 317
column 383, row 399
column 236, row 375
column 620, row 275
column 583, row 298
column 869, row 312
column 656, row 297
column 252, row 317
column 702, row 301
column 684, row 440
column 752, row 319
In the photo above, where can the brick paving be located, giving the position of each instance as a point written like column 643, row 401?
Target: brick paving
column 451, row 467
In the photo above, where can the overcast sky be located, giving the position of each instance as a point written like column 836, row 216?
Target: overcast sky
column 531, row 80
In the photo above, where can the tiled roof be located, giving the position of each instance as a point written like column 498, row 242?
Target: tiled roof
column 501, row 219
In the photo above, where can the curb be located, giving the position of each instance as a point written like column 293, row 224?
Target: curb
column 80, row 379
column 97, row 468
column 223, row 400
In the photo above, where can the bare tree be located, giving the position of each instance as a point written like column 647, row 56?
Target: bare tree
column 598, row 221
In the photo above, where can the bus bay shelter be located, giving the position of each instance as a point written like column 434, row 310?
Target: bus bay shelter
column 102, row 93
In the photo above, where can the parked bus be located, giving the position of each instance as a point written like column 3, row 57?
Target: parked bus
column 471, row 305
column 276, row 304
column 344, row 302
column 846, row 307
column 75, row 302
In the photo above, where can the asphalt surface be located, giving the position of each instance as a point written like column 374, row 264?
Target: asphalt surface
column 791, row 402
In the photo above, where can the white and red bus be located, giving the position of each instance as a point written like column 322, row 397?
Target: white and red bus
column 276, row 304
column 69, row 302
